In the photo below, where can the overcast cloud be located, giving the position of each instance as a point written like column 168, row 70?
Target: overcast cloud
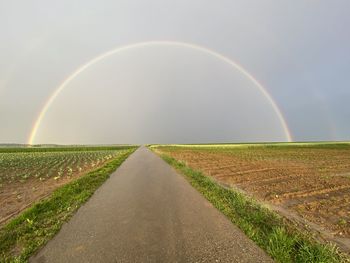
column 298, row 50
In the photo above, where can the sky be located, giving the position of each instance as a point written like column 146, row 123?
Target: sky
column 298, row 51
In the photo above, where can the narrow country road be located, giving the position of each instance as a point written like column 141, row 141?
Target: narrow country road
column 146, row 212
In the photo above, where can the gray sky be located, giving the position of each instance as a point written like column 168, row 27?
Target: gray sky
column 298, row 50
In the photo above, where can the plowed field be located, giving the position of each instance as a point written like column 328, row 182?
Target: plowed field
column 312, row 181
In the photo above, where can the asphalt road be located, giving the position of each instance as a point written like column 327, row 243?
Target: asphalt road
column 146, row 212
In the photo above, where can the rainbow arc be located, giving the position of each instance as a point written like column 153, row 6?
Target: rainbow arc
column 112, row 52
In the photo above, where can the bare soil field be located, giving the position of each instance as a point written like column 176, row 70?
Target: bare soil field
column 26, row 177
column 312, row 181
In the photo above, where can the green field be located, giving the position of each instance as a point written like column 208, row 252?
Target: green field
column 20, row 164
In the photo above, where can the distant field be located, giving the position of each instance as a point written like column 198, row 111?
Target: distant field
column 311, row 180
column 30, row 174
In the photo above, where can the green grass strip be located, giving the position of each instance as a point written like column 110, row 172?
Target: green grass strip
column 282, row 242
column 28, row 232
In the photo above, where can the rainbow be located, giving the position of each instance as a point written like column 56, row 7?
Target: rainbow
column 235, row 65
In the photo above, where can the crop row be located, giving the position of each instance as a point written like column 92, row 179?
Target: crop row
column 19, row 166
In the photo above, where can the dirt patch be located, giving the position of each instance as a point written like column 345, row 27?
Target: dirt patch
column 15, row 197
column 309, row 182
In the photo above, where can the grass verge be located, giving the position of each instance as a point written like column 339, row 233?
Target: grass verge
column 28, row 232
column 283, row 242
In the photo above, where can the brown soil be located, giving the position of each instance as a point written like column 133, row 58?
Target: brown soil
column 19, row 195
column 312, row 183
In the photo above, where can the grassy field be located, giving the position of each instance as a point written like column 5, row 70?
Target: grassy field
column 67, row 179
column 310, row 181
